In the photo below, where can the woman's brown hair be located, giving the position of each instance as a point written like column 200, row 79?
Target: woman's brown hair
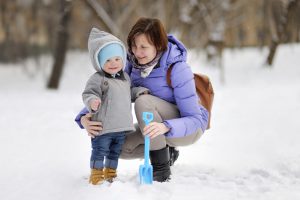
column 153, row 29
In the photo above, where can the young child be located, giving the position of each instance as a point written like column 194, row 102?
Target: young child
column 107, row 96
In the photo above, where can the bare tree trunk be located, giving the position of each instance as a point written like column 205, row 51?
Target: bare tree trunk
column 7, row 48
column 273, row 48
column 282, row 13
column 4, row 49
column 61, row 44
column 274, row 15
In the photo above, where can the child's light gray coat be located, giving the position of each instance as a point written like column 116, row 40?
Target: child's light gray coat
column 115, row 109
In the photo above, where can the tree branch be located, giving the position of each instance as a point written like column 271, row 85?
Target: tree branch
column 105, row 17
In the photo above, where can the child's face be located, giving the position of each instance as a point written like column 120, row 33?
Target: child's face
column 113, row 65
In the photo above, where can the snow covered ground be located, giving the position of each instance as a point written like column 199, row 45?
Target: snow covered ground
column 252, row 150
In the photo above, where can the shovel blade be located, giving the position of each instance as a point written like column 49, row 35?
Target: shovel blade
column 146, row 174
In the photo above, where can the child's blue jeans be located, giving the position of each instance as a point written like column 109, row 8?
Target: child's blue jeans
column 107, row 146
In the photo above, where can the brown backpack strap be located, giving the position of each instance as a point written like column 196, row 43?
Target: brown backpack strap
column 169, row 75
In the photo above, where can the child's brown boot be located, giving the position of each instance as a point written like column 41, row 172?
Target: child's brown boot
column 97, row 176
column 110, row 174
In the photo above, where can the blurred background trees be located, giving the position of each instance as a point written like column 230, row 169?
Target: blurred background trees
column 29, row 28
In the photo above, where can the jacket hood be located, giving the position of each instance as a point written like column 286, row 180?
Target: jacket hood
column 176, row 52
column 97, row 41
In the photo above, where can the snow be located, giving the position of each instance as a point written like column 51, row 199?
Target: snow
column 252, row 150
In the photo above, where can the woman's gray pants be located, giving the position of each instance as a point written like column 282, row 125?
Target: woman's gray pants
column 162, row 110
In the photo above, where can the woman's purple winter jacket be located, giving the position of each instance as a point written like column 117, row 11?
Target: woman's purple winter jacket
column 182, row 93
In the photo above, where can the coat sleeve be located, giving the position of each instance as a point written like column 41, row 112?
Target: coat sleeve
column 138, row 91
column 92, row 90
column 83, row 112
column 193, row 115
column 135, row 91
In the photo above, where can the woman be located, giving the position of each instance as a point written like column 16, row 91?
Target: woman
column 178, row 118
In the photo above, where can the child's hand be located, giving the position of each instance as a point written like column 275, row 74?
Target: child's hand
column 95, row 104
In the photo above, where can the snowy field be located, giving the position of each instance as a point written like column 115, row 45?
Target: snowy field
column 251, row 152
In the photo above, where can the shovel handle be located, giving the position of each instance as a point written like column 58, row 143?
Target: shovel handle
column 146, row 151
column 147, row 117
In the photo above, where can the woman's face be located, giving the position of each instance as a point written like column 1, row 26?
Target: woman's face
column 143, row 50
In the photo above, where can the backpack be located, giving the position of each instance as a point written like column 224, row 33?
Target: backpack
column 204, row 90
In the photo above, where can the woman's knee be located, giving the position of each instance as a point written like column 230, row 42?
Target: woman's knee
column 142, row 100
column 143, row 103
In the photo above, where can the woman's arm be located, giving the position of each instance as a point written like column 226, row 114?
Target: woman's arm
column 193, row 115
column 83, row 112
column 83, row 119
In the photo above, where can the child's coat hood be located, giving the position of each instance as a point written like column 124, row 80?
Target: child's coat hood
column 99, row 39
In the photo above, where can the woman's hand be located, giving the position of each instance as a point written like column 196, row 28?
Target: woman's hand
column 155, row 129
column 91, row 127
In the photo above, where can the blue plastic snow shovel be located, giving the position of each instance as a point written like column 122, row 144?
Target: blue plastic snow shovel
column 146, row 170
